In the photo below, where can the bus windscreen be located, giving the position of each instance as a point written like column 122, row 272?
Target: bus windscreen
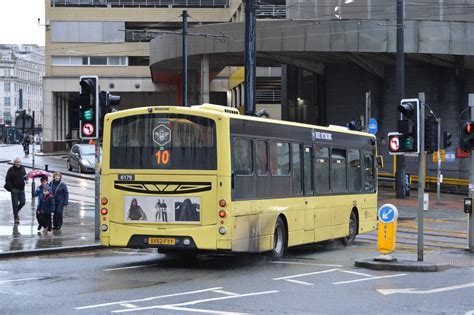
column 163, row 141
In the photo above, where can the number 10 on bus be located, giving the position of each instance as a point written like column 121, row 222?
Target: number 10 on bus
column 162, row 157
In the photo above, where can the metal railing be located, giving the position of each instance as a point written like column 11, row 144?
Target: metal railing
column 268, row 11
column 142, row 3
column 268, row 96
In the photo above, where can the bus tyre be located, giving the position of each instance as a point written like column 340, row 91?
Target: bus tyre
column 353, row 227
column 279, row 240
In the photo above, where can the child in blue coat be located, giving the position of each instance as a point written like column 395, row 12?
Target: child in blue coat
column 45, row 206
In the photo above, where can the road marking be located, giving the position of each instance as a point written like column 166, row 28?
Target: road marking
column 298, row 282
column 306, row 274
column 373, row 278
column 225, row 292
column 131, row 267
column 357, row 273
column 197, row 310
column 197, row 302
column 305, row 264
column 469, row 313
column 17, row 280
column 411, row 290
column 128, row 305
column 147, row 299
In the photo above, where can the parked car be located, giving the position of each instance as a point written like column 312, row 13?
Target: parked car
column 82, row 158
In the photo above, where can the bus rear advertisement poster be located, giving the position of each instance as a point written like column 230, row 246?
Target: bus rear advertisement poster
column 162, row 209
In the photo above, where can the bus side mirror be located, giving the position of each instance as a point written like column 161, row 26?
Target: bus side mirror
column 379, row 160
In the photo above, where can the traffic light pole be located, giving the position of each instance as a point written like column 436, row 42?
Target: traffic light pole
column 470, row 220
column 97, row 190
column 421, row 175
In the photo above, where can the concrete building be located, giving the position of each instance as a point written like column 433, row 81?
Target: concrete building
column 331, row 52
column 110, row 38
column 21, row 84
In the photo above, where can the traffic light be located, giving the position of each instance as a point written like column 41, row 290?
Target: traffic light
column 409, row 126
column 431, row 134
column 89, row 111
column 446, row 140
column 106, row 101
column 399, row 143
column 467, row 136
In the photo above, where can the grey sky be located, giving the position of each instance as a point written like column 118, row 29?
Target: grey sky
column 19, row 22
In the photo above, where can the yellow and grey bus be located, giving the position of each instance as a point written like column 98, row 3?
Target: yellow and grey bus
column 205, row 178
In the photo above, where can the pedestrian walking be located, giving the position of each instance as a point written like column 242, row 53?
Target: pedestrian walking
column 15, row 184
column 61, row 199
column 45, row 209
column 39, row 193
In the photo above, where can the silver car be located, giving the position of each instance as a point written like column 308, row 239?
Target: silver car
column 82, row 158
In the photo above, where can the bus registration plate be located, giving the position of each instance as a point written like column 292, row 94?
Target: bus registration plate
column 161, row 241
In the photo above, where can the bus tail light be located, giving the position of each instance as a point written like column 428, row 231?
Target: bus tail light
column 222, row 203
column 222, row 213
column 104, row 201
column 104, row 227
column 104, row 211
column 222, row 230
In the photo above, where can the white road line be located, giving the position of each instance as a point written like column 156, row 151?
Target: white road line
column 469, row 313
column 225, row 292
column 197, row 301
column 1, row 271
column 411, row 290
column 147, row 299
column 298, row 282
column 198, row 310
column 17, row 280
column 304, row 264
column 373, row 278
column 128, row 305
column 131, row 267
column 306, row 274
column 357, row 273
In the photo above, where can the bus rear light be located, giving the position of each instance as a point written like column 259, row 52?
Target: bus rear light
column 222, row 213
column 222, row 230
column 222, row 203
column 222, row 222
column 104, row 219
column 186, row 242
column 104, row 227
column 104, row 201
column 104, row 211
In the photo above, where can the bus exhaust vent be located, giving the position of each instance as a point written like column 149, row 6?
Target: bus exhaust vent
column 218, row 108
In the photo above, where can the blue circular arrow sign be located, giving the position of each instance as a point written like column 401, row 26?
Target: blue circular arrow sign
column 388, row 213
column 373, row 126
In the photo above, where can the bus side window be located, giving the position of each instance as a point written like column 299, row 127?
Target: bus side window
column 261, row 158
column 242, row 157
column 321, row 170
column 354, row 174
column 338, row 170
column 369, row 174
column 279, row 158
column 308, row 170
column 296, row 161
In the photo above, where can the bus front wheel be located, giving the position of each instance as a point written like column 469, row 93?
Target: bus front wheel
column 353, row 227
column 279, row 240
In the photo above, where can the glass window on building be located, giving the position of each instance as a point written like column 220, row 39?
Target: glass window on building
column 6, row 86
column 98, row 61
column 6, row 101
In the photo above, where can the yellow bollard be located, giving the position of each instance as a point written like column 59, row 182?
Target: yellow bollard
column 387, row 232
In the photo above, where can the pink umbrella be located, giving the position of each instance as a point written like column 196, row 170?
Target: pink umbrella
column 37, row 173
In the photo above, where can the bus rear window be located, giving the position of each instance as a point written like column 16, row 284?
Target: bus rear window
column 163, row 141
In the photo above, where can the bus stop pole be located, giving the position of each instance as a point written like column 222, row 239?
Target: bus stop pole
column 438, row 152
column 33, row 158
column 470, row 224
column 421, row 174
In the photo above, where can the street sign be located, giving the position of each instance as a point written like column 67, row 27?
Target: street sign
column 88, row 129
column 387, row 230
column 450, row 156
column 394, row 143
column 373, row 126
column 442, row 154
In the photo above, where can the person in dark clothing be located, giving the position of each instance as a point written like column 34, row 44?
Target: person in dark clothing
column 45, row 209
column 15, row 183
column 61, row 198
column 136, row 212
column 39, row 193
column 188, row 211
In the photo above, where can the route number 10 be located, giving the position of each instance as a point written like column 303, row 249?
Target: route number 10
column 162, row 157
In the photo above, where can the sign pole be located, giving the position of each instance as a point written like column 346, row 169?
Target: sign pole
column 33, row 158
column 421, row 174
column 470, row 228
column 438, row 182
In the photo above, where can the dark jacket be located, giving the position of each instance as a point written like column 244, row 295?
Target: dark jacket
column 61, row 194
column 16, row 177
column 46, row 204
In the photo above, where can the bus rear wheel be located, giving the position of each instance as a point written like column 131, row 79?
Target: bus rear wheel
column 279, row 240
column 353, row 227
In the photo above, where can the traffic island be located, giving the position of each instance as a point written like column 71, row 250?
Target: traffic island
column 400, row 265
